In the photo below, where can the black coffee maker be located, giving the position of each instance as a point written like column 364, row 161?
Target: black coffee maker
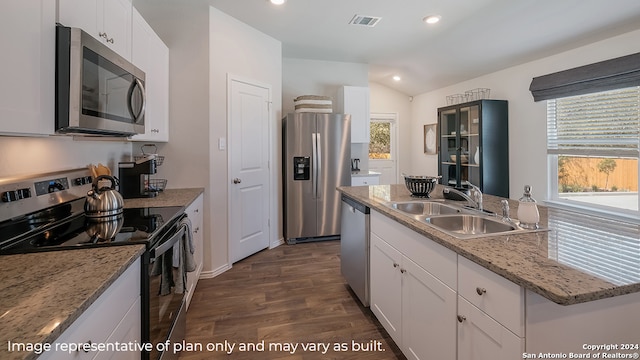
column 134, row 177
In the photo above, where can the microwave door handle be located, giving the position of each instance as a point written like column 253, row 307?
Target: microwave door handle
column 140, row 113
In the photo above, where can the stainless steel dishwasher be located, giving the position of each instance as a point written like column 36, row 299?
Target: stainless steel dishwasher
column 354, row 247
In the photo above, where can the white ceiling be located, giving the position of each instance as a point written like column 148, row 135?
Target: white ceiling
column 474, row 37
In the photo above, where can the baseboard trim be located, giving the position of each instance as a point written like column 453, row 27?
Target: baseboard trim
column 215, row 272
column 276, row 243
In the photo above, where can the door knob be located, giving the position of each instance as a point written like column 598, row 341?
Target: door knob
column 237, row 181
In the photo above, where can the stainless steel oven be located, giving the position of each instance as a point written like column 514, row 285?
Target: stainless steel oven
column 166, row 310
column 98, row 92
column 46, row 213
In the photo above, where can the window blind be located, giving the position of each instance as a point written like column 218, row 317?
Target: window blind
column 605, row 124
column 601, row 76
column 605, row 248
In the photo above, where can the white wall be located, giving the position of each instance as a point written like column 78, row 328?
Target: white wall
column 318, row 77
column 527, row 119
column 29, row 155
column 240, row 50
column 386, row 100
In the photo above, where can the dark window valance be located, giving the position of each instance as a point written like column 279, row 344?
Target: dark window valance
column 601, row 76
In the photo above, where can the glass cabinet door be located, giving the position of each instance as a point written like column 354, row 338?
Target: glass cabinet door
column 460, row 146
column 448, row 145
column 470, row 144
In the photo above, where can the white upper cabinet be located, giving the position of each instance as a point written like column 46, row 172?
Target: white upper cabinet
column 151, row 55
column 27, row 67
column 106, row 20
column 354, row 100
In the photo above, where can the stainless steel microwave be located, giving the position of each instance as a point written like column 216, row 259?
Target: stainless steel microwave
column 98, row 92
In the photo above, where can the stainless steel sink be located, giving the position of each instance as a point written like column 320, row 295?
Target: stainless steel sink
column 424, row 208
column 470, row 225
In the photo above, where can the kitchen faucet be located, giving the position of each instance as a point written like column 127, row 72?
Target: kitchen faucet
column 475, row 202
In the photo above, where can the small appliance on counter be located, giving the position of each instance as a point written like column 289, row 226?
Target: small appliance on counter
column 355, row 165
column 135, row 176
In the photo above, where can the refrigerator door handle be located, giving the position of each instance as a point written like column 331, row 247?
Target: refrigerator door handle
column 319, row 166
column 314, row 165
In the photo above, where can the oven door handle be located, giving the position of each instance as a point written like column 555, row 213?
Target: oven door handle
column 163, row 247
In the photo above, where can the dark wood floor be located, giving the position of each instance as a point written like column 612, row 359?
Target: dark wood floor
column 291, row 294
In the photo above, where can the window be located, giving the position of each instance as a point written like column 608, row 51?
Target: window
column 383, row 147
column 592, row 148
column 380, row 143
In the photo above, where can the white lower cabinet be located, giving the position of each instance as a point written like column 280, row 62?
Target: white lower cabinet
column 386, row 286
column 428, row 307
column 115, row 317
column 361, row 180
column 194, row 211
column 436, row 304
column 480, row 337
column 490, row 314
column 416, row 308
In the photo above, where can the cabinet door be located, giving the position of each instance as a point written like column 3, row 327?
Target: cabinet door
column 151, row 55
column 386, row 290
column 116, row 24
column 128, row 331
column 354, row 100
column 428, row 313
column 82, row 14
column 27, row 67
column 194, row 212
column 482, row 338
column 106, row 20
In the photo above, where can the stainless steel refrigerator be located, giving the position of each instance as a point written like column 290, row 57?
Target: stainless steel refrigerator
column 316, row 149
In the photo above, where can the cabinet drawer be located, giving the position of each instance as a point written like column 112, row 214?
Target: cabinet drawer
column 365, row 180
column 431, row 256
column 496, row 296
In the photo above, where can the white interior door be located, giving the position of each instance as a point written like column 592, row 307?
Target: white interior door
column 249, row 168
column 383, row 157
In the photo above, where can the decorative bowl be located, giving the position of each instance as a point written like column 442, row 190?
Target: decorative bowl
column 420, row 186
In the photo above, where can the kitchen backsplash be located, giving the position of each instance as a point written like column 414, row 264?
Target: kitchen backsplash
column 27, row 155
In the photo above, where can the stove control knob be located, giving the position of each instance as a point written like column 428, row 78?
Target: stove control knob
column 9, row 196
column 24, row 193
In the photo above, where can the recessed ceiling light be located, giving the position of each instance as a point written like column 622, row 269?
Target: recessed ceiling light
column 277, row 2
column 431, row 19
column 397, row 77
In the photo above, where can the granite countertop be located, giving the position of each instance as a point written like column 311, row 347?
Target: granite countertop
column 168, row 197
column 45, row 292
column 365, row 173
column 525, row 259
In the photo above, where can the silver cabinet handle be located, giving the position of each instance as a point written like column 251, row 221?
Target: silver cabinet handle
column 237, row 181
column 461, row 318
column 103, row 35
column 481, row 291
column 403, row 271
column 395, row 265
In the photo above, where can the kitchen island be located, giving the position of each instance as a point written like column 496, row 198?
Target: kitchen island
column 520, row 287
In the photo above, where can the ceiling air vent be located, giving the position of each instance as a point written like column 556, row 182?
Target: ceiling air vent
column 364, row 20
